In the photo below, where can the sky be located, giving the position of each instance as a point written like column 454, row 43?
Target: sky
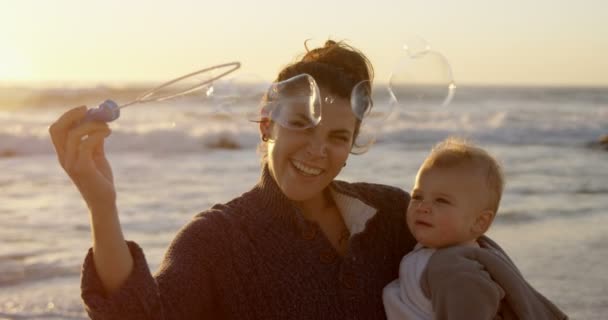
column 487, row 42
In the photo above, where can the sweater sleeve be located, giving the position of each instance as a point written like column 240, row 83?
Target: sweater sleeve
column 460, row 287
column 182, row 288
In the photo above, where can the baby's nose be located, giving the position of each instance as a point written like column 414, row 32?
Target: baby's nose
column 424, row 206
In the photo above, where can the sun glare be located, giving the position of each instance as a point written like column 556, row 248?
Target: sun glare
column 14, row 65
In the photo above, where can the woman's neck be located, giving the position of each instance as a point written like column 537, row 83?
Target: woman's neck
column 313, row 208
column 323, row 211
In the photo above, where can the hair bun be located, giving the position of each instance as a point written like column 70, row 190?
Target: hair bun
column 341, row 56
column 330, row 43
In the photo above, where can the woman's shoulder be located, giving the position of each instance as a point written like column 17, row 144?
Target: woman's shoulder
column 231, row 217
column 209, row 232
column 207, row 227
column 224, row 214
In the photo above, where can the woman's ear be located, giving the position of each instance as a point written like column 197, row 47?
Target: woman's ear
column 265, row 129
column 482, row 222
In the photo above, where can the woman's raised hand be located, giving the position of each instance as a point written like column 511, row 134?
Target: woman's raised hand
column 79, row 146
column 80, row 151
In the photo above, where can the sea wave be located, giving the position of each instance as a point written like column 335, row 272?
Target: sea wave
column 515, row 216
column 556, row 117
column 14, row 97
column 197, row 133
column 28, row 266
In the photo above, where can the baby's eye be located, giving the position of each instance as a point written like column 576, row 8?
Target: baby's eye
column 442, row 200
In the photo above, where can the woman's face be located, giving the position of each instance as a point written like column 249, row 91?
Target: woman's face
column 303, row 162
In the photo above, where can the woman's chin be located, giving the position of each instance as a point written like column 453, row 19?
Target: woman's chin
column 295, row 193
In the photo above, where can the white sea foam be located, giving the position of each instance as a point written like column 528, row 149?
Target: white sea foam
column 190, row 126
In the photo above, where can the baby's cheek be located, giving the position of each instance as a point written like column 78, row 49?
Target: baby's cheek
column 408, row 219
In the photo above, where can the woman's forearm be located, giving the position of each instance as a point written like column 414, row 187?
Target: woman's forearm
column 113, row 260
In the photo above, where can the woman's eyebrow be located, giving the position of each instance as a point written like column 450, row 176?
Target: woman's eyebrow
column 341, row 131
column 302, row 116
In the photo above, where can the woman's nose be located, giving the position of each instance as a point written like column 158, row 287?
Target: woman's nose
column 317, row 147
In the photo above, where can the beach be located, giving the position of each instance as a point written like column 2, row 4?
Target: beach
column 171, row 161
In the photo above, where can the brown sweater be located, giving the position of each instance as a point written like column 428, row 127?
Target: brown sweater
column 256, row 257
column 489, row 286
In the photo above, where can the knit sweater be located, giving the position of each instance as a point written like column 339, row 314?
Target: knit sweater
column 257, row 257
column 483, row 277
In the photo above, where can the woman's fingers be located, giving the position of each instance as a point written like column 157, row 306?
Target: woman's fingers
column 75, row 138
column 99, row 157
column 59, row 129
column 84, row 162
column 79, row 147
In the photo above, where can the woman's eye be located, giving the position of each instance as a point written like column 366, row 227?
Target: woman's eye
column 296, row 124
column 416, row 197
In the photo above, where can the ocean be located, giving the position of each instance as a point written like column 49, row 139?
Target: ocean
column 172, row 160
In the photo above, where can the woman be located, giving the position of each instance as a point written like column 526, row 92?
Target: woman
column 299, row 244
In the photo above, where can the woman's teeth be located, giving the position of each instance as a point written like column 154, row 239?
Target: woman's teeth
column 306, row 170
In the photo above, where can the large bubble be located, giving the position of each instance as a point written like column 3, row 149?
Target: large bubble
column 422, row 78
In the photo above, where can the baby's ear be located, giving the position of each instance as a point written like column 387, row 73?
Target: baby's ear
column 482, row 222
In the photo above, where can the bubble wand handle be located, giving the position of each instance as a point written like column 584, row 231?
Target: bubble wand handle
column 108, row 111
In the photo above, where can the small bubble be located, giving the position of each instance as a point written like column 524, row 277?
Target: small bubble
column 209, row 91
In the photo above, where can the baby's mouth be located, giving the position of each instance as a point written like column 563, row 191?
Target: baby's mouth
column 423, row 223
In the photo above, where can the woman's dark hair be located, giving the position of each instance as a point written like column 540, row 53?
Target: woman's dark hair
column 337, row 67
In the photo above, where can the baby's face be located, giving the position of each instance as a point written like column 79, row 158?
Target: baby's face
column 445, row 205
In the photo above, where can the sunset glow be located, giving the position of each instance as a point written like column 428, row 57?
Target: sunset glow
column 487, row 42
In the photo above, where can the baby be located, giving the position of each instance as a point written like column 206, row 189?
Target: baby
column 454, row 201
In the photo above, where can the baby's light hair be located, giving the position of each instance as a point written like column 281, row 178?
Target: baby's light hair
column 455, row 151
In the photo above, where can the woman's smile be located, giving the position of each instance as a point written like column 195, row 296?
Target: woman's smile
column 306, row 170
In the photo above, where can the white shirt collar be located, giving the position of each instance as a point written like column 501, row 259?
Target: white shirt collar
column 354, row 212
